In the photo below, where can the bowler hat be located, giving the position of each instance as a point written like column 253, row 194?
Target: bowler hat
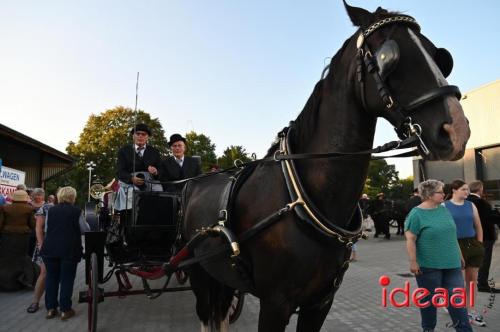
column 141, row 127
column 20, row 196
column 175, row 138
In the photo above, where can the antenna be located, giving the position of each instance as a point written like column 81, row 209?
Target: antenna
column 135, row 120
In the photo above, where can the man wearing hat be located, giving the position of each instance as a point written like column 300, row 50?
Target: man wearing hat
column 178, row 166
column 137, row 157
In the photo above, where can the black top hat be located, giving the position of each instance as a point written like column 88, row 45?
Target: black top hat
column 175, row 138
column 141, row 127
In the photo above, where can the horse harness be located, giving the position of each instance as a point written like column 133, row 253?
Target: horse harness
column 380, row 65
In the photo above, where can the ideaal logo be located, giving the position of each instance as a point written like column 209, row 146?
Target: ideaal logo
column 458, row 298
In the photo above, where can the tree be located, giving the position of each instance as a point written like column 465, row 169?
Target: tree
column 231, row 154
column 201, row 145
column 100, row 140
column 381, row 177
column 402, row 190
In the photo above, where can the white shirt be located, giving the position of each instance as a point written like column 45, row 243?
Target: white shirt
column 179, row 161
column 140, row 152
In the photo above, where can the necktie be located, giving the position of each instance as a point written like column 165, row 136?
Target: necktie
column 140, row 151
column 179, row 162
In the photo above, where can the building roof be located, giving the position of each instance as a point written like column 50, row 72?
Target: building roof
column 17, row 136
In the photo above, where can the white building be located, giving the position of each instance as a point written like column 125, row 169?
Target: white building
column 482, row 156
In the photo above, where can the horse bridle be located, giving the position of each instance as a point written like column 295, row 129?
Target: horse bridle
column 398, row 115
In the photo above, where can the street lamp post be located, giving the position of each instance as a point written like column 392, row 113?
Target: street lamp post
column 90, row 167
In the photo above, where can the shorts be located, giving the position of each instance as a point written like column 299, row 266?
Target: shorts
column 472, row 250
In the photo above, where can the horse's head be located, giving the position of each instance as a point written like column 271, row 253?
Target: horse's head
column 400, row 75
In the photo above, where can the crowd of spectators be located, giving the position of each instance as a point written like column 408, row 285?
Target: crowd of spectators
column 41, row 254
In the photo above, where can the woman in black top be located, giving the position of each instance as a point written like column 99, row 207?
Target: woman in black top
column 61, row 252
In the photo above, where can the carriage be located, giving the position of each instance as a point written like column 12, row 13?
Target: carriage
column 140, row 243
column 294, row 213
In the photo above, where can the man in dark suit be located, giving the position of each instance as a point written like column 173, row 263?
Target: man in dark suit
column 178, row 166
column 489, row 218
column 147, row 159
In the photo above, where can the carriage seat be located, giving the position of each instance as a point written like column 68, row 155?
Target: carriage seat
column 154, row 210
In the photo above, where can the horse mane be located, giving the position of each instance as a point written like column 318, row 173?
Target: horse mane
column 308, row 117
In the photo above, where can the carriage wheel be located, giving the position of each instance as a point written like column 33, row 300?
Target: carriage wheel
column 236, row 306
column 393, row 223
column 181, row 277
column 93, row 293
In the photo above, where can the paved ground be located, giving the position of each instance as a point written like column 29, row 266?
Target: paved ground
column 356, row 308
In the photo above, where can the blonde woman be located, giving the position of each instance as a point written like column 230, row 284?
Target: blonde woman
column 61, row 252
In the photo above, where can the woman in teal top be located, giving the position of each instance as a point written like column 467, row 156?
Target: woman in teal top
column 434, row 254
column 470, row 237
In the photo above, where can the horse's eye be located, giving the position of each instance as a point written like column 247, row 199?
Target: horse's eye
column 444, row 61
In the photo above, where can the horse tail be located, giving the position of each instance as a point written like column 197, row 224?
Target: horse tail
column 219, row 299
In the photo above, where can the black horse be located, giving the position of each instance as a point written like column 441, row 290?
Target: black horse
column 386, row 69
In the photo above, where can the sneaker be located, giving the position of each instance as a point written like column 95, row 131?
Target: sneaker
column 441, row 301
column 476, row 319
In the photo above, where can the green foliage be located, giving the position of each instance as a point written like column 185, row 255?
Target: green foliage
column 100, row 140
column 401, row 190
column 381, row 177
column 201, row 145
column 231, row 154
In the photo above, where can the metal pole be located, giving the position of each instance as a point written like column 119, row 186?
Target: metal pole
column 90, row 167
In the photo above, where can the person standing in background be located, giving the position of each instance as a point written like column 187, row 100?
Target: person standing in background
column 489, row 218
column 61, row 251
column 434, row 254
column 470, row 237
column 16, row 222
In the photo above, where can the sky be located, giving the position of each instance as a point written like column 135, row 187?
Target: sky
column 237, row 71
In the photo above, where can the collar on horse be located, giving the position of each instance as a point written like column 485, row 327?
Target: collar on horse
column 302, row 204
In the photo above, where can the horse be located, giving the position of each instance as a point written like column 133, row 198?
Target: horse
column 296, row 263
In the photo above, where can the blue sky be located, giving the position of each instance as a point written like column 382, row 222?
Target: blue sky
column 236, row 71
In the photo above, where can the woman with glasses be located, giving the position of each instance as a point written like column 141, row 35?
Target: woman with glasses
column 470, row 237
column 434, row 254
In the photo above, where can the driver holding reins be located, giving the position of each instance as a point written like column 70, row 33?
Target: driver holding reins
column 147, row 159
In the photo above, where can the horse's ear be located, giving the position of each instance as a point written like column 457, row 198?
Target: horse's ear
column 359, row 17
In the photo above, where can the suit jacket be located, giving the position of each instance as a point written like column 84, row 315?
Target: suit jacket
column 488, row 216
column 171, row 171
column 150, row 157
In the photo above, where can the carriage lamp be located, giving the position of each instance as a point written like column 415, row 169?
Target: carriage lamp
column 90, row 166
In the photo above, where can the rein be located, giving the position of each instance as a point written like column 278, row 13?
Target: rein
column 409, row 142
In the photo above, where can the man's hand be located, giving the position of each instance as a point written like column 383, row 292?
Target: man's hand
column 137, row 181
column 152, row 170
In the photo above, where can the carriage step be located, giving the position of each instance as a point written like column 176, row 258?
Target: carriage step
column 83, row 296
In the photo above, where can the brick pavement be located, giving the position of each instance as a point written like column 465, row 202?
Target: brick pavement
column 356, row 307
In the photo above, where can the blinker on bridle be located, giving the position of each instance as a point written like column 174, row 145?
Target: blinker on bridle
column 380, row 66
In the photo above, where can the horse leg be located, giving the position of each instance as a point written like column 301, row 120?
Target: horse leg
column 212, row 300
column 312, row 319
column 274, row 317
